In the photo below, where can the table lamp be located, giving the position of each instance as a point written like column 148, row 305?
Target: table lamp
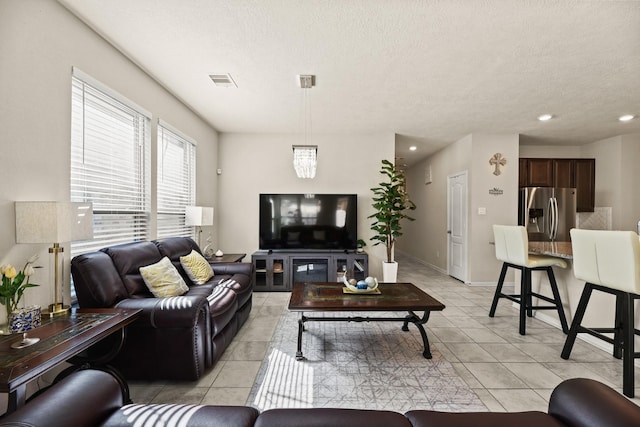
column 198, row 216
column 54, row 222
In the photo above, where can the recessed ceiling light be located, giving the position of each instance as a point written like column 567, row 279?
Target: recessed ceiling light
column 626, row 117
column 413, row 148
column 545, row 117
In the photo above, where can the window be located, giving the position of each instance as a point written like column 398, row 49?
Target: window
column 110, row 157
column 176, row 181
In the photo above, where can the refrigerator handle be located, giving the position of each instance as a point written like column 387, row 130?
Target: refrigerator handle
column 550, row 216
column 556, row 220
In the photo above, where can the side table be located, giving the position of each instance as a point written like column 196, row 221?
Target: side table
column 226, row 258
column 61, row 338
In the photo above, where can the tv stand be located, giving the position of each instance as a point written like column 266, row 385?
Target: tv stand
column 277, row 271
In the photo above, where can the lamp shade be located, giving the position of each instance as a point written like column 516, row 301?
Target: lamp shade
column 49, row 222
column 198, row 215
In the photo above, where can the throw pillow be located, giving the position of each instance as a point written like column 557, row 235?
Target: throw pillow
column 198, row 269
column 163, row 280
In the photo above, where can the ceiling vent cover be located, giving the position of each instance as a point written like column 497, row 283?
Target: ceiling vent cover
column 222, row 80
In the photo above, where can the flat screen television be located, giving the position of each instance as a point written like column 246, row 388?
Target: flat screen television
column 314, row 222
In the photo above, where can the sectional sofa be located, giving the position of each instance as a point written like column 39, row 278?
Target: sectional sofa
column 174, row 338
column 93, row 398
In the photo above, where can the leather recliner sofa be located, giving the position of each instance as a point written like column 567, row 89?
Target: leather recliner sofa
column 175, row 338
column 93, row 398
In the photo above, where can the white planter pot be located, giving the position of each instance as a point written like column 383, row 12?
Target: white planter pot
column 389, row 272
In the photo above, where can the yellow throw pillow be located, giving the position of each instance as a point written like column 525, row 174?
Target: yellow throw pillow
column 163, row 280
column 198, row 269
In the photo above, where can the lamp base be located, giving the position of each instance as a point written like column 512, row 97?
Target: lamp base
column 56, row 309
column 26, row 342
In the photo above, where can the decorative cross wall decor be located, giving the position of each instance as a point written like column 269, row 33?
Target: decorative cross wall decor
column 497, row 160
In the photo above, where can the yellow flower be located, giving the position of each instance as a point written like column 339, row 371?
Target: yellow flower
column 9, row 271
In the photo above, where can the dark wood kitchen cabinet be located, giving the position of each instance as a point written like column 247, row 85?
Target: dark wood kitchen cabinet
column 539, row 173
column 564, row 173
column 585, row 182
column 573, row 173
column 523, row 170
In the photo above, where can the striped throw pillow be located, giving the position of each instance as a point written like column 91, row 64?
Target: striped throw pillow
column 198, row 269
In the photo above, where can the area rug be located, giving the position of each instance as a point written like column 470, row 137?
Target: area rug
column 368, row 365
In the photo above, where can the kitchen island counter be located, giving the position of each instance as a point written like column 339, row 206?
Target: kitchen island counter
column 601, row 306
column 556, row 249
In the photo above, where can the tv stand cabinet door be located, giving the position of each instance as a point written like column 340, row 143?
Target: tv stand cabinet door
column 270, row 272
column 354, row 266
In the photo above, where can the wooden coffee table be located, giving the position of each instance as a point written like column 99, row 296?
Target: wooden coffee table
column 393, row 297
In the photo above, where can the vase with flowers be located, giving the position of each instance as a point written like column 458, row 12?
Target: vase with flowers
column 13, row 285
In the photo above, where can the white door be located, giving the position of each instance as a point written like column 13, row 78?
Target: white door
column 457, row 225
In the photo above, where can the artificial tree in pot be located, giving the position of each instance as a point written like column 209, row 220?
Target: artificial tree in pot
column 391, row 202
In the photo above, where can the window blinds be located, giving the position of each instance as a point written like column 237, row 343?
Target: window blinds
column 176, row 181
column 110, row 157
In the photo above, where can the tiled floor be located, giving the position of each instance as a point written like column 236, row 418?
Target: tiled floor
column 508, row 372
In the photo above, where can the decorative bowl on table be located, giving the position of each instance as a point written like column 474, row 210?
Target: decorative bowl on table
column 366, row 286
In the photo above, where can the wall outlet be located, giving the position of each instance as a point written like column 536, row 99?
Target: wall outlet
column 482, row 211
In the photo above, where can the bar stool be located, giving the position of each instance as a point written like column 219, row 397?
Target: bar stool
column 608, row 261
column 512, row 248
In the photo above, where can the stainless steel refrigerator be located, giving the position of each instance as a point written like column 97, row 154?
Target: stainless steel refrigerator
column 547, row 213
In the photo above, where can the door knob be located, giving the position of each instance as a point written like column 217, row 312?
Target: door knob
column 448, row 231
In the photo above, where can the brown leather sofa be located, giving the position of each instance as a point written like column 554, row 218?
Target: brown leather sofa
column 174, row 338
column 93, row 398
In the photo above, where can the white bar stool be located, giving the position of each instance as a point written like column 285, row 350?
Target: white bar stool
column 608, row 261
column 512, row 248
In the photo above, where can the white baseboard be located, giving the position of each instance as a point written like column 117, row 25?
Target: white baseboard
column 511, row 284
column 423, row 262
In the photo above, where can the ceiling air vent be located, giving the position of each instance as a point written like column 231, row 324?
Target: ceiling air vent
column 223, row 80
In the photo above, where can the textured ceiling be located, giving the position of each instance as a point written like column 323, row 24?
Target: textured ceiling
column 431, row 71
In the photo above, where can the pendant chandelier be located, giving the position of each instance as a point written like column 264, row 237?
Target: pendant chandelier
column 304, row 160
column 305, row 156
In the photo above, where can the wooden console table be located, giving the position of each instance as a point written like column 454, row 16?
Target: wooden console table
column 61, row 338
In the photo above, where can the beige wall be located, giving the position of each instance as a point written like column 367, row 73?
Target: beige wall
column 631, row 189
column 426, row 238
column 551, row 151
column 617, row 161
column 257, row 163
column 40, row 42
column 608, row 154
column 503, row 209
